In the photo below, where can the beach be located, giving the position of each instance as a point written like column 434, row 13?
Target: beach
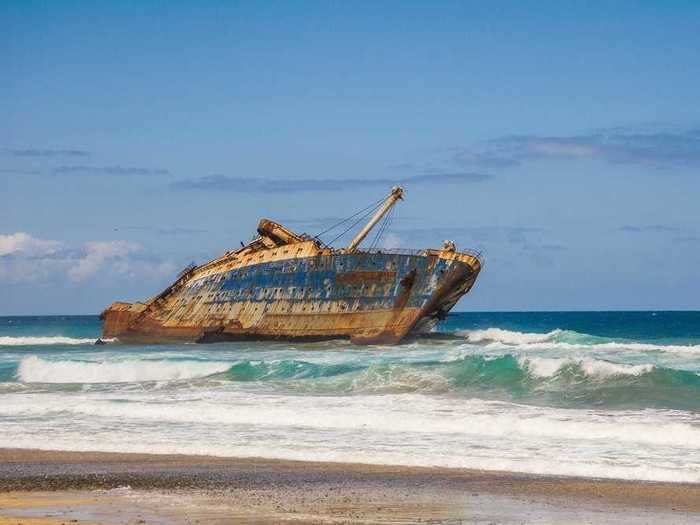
column 50, row 487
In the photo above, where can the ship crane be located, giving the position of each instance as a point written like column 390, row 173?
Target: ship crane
column 395, row 195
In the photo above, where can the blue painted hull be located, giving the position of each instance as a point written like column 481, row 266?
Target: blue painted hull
column 367, row 297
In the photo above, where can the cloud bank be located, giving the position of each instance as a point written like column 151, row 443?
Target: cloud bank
column 19, row 171
column 656, row 149
column 46, row 153
column 24, row 258
column 652, row 228
column 27, row 245
column 108, row 170
column 258, row 185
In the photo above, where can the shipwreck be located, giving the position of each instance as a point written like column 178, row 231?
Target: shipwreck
column 284, row 285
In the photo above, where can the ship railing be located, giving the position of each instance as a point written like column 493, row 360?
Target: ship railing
column 189, row 268
column 184, row 274
column 477, row 254
column 394, row 251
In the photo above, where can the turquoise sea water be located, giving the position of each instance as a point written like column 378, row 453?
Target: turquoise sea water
column 603, row 394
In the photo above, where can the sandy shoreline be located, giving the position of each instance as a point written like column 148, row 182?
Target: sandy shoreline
column 171, row 487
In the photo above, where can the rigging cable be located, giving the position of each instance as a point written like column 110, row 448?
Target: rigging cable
column 358, row 221
column 382, row 228
column 374, row 205
column 386, row 225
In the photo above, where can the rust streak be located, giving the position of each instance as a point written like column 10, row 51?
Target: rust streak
column 364, row 277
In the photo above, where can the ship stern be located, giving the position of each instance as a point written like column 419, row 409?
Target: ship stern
column 119, row 317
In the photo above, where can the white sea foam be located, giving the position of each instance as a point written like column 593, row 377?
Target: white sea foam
column 398, row 429
column 557, row 466
column 542, row 367
column 508, row 336
column 390, row 414
column 606, row 347
column 548, row 367
column 36, row 370
column 497, row 338
column 596, row 367
column 47, row 340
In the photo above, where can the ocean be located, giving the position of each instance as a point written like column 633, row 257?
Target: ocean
column 596, row 394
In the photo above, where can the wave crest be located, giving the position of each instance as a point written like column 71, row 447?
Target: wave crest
column 33, row 369
column 549, row 367
column 569, row 381
column 45, row 340
column 500, row 335
column 558, row 339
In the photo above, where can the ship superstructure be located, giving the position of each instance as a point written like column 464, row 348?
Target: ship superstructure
column 283, row 285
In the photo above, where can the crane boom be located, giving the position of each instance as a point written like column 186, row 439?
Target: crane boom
column 395, row 195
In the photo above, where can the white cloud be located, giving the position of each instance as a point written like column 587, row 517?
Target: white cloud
column 23, row 243
column 96, row 254
column 654, row 148
column 24, row 258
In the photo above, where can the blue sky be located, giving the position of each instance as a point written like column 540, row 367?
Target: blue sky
column 563, row 138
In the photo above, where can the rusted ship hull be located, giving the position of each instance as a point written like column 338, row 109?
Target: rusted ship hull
column 288, row 286
column 367, row 297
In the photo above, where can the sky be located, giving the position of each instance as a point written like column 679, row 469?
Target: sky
column 560, row 138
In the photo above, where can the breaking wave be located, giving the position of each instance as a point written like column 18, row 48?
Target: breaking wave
column 36, row 370
column 47, row 340
column 565, row 382
column 548, row 367
column 509, row 337
column 563, row 340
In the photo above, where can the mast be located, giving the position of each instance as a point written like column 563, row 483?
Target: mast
column 396, row 194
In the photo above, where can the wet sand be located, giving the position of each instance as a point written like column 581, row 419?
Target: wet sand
column 41, row 488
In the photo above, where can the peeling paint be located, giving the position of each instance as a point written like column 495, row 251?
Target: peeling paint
column 288, row 286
